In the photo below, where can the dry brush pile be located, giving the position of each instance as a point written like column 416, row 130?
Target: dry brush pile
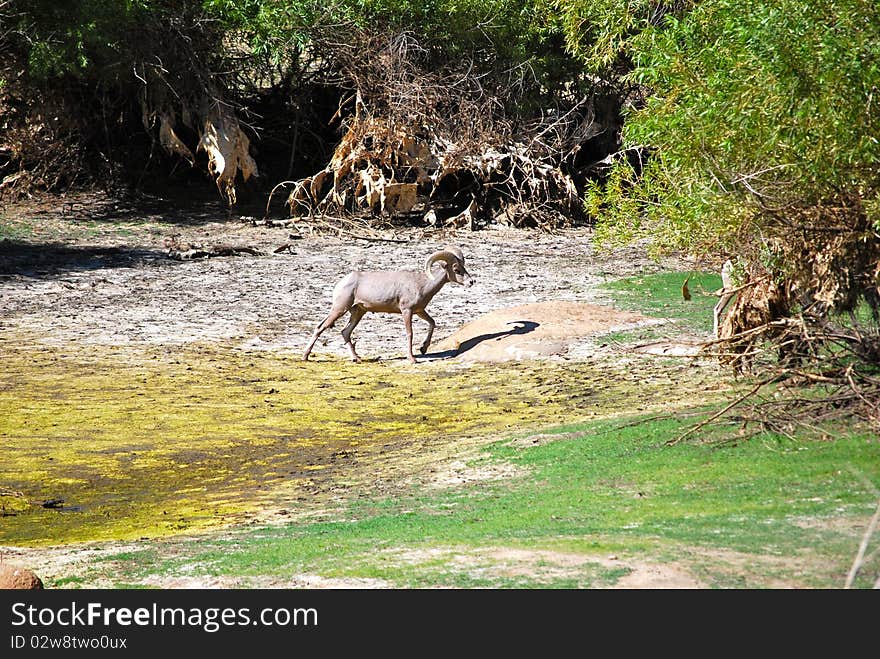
column 806, row 319
column 439, row 148
column 418, row 136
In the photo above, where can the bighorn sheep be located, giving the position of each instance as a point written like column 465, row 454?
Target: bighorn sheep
column 725, row 295
column 403, row 291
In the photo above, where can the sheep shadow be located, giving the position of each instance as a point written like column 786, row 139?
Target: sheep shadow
column 520, row 327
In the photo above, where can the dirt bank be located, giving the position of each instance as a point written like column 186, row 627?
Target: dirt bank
column 97, row 271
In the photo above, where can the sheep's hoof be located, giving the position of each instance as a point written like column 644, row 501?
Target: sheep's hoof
column 423, row 350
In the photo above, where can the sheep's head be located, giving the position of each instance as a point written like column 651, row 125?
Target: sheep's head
column 453, row 260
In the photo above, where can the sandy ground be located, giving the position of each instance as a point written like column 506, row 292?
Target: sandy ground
column 535, row 330
column 103, row 276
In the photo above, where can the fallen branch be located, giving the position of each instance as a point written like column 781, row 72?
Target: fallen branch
column 828, row 375
column 721, row 412
column 377, row 240
column 286, row 247
column 192, row 252
column 863, row 547
column 349, row 228
column 273, row 223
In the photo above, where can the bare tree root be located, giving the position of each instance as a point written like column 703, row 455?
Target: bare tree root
column 437, row 149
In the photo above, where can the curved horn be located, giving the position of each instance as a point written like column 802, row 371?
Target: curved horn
column 449, row 254
column 455, row 250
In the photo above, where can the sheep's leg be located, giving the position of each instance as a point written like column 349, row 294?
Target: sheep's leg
column 407, row 321
column 332, row 317
column 357, row 312
column 424, row 316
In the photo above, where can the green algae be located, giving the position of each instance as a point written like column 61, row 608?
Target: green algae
column 152, row 442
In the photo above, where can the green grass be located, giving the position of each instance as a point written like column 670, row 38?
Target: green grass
column 862, row 314
column 660, row 296
column 16, row 229
column 72, row 581
column 735, row 516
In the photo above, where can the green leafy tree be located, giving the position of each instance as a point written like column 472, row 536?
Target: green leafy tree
column 759, row 138
column 753, row 108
